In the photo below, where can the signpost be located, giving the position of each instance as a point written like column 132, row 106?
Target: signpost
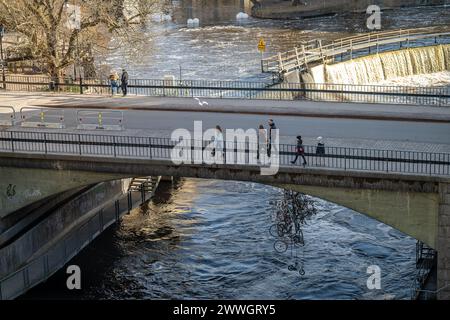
column 261, row 45
column 262, row 49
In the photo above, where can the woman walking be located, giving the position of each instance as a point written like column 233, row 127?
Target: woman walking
column 300, row 149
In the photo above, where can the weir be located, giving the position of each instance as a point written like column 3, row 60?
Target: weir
column 383, row 66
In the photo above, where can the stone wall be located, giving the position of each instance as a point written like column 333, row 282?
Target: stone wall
column 443, row 242
column 16, row 254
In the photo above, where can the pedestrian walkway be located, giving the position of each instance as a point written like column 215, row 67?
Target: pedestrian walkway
column 266, row 107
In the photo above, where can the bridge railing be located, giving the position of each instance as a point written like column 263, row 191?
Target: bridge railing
column 307, row 55
column 44, row 266
column 135, row 147
column 424, row 96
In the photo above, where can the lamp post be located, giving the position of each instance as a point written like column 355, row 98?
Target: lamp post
column 2, row 33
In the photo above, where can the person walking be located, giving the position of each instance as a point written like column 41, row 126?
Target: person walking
column 300, row 151
column 124, row 82
column 320, row 149
column 262, row 141
column 272, row 128
column 113, row 79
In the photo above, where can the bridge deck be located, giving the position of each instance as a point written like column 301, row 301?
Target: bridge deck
column 234, row 153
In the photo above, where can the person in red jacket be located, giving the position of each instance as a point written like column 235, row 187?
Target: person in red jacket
column 300, row 149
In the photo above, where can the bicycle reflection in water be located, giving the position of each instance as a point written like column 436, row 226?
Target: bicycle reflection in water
column 290, row 214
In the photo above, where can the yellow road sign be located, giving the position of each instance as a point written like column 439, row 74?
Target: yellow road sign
column 261, row 45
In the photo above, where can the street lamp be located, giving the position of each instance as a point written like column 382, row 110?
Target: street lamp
column 2, row 33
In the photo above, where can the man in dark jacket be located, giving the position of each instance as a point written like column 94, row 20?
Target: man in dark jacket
column 124, row 82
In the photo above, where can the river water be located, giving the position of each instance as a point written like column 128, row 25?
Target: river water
column 202, row 239
column 225, row 49
column 210, row 239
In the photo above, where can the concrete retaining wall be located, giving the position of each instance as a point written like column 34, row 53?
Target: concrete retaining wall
column 18, row 253
column 280, row 9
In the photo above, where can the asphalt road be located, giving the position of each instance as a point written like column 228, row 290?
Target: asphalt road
column 166, row 122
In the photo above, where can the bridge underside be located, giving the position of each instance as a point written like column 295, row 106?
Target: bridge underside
column 413, row 213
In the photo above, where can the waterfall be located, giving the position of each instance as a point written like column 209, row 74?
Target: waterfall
column 388, row 65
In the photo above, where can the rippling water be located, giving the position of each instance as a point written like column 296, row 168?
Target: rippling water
column 224, row 49
column 210, row 240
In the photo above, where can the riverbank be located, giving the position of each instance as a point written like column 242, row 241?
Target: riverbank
column 275, row 9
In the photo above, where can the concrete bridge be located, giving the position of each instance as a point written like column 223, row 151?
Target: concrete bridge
column 407, row 190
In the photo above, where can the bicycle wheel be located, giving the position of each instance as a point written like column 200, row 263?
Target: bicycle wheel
column 274, row 231
column 280, row 246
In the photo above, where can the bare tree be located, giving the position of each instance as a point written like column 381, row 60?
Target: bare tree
column 50, row 37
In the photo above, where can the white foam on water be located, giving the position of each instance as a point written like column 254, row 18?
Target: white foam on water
column 393, row 67
column 424, row 80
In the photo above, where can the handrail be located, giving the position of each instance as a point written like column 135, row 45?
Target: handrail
column 12, row 112
column 111, row 120
column 372, row 35
column 42, row 113
column 141, row 147
column 348, row 93
column 344, row 45
column 101, row 116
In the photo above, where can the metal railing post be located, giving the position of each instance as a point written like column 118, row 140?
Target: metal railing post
column 297, row 57
column 12, row 141
column 304, row 57
column 114, row 146
column 280, row 61
column 45, row 142
column 150, row 147
column 79, row 144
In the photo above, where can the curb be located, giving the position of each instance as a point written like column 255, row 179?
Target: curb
column 299, row 113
